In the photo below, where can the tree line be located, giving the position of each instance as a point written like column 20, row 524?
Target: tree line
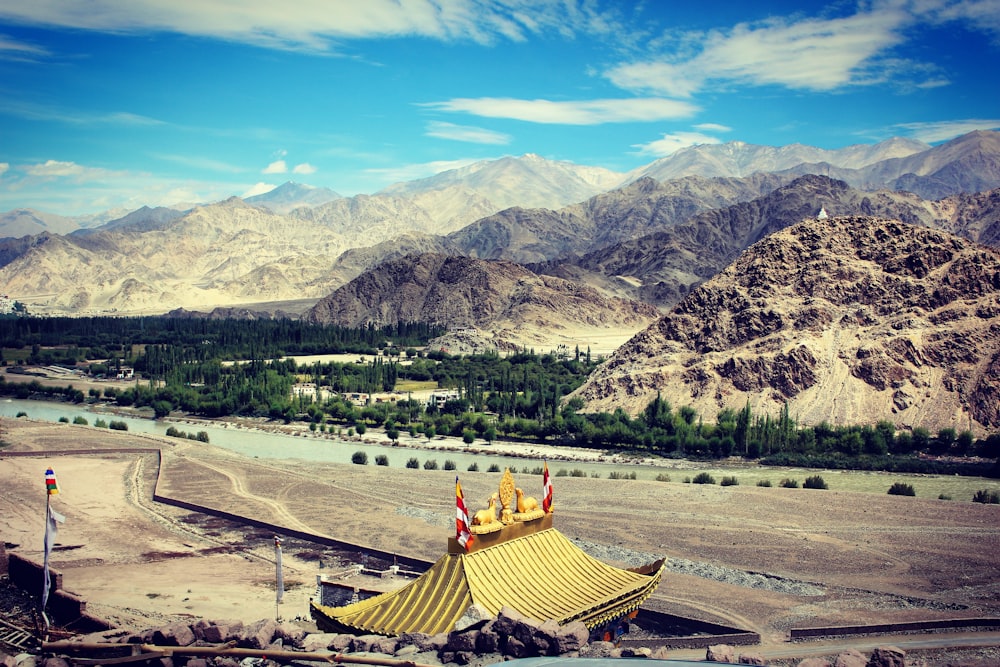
column 210, row 371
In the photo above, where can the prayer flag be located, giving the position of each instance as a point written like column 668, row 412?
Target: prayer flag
column 463, row 535
column 51, row 486
column 279, row 577
column 546, row 489
column 52, row 521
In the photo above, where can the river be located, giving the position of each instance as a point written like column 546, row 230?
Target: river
column 259, row 443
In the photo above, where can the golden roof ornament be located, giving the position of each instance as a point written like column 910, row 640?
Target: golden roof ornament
column 514, row 507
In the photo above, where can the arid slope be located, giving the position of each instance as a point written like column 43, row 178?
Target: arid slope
column 849, row 319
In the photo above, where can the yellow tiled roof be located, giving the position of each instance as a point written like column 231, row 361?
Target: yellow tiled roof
column 542, row 575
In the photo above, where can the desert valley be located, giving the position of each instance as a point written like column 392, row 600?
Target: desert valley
column 848, row 287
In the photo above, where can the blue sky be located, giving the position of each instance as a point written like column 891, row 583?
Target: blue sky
column 120, row 103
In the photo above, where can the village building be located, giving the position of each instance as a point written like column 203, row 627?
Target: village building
column 310, row 391
column 439, row 398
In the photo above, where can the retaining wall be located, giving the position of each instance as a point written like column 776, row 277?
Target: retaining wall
column 64, row 608
column 949, row 624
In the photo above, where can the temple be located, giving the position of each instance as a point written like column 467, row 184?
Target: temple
column 507, row 555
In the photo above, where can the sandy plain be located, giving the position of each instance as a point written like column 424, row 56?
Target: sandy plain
column 829, row 557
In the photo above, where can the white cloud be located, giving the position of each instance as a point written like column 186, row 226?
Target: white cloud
column 410, row 172
column 304, row 168
column 85, row 189
column 584, row 112
column 60, row 169
column 933, row 132
column 32, row 111
column 671, row 143
column 197, row 162
column 713, row 127
column 314, row 24
column 12, row 49
column 276, row 167
column 474, row 135
column 4, row 168
column 258, row 189
column 977, row 14
column 809, row 54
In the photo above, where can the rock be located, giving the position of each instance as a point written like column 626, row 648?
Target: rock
column 508, row 619
column 175, row 634
column 221, row 632
column 422, row 641
column 386, row 645
column 815, row 662
column 25, row 660
column 720, row 653
column 635, row 652
column 196, row 662
column 475, row 615
column 462, row 641
column 544, row 638
column 115, row 636
column 752, row 659
column 434, row 642
column 290, row 634
column 571, row 637
column 55, row 662
column 850, row 658
column 599, row 649
column 340, row 642
column 363, row 643
column 317, row 641
column 259, row 634
column 406, row 650
column 887, row 656
column 515, row 648
column 488, row 640
column 464, row 657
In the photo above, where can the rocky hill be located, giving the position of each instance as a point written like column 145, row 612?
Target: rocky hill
column 504, row 300
column 848, row 319
column 661, row 267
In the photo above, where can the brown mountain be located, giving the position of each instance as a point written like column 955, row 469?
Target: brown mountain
column 663, row 266
column 498, row 297
column 849, row 319
column 539, row 235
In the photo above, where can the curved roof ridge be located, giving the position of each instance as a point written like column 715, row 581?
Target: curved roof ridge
column 542, row 575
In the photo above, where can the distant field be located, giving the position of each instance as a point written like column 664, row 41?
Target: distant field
column 403, row 386
column 16, row 354
column 926, row 486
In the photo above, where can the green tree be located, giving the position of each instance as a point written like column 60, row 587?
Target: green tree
column 162, row 408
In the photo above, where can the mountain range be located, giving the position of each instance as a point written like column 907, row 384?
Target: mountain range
column 648, row 240
column 527, row 251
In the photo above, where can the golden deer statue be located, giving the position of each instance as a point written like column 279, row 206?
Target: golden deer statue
column 488, row 515
column 525, row 503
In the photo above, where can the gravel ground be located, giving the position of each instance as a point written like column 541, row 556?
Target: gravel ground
column 760, row 559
